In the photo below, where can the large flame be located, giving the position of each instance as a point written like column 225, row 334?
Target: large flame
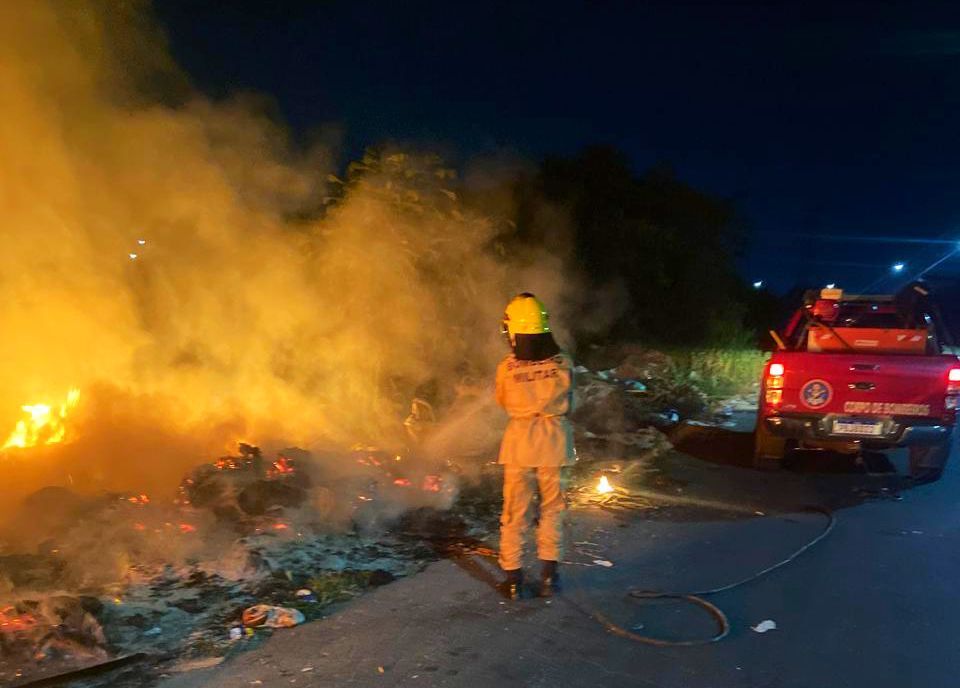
column 43, row 424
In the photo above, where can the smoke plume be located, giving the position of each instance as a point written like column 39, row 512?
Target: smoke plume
column 202, row 280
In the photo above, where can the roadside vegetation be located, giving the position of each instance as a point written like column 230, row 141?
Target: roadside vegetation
column 720, row 372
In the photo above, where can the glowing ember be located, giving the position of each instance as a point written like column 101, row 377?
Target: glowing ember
column 432, row 483
column 604, row 486
column 282, row 465
column 402, row 482
column 12, row 622
column 187, row 528
column 44, row 423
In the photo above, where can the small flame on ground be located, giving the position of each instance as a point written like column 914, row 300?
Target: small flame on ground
column 604, row 486
column 45, row 424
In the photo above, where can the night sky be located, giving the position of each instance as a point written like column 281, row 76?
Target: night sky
column 830, row 124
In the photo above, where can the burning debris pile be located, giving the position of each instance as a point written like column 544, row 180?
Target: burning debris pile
column 123, row 573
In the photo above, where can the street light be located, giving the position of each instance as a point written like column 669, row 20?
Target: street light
column 832, row 285
column 758, row 284
column 898, row 267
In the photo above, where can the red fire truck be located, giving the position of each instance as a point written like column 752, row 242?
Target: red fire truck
column 861, row 372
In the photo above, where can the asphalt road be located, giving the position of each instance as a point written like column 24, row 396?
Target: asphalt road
column 873, row 605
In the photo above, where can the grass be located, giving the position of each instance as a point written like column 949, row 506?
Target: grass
column 338, row 586
column 719, row 372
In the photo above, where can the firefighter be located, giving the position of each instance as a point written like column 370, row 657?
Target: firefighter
column 535, row 387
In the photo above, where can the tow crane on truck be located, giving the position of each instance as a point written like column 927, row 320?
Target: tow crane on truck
column 855, row 372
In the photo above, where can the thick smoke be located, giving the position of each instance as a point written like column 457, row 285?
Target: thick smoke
column 200, row 279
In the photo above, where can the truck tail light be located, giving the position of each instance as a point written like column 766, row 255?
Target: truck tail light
column 953, row 381
column 774, row 384
column 952, row 400
column 777, row 370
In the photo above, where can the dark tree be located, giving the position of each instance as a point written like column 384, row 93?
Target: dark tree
column 669, row 246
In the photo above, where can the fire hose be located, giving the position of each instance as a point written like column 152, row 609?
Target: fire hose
column 697, row 597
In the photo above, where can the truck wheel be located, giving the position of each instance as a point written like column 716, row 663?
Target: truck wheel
column 927, row 463
column 768, row 449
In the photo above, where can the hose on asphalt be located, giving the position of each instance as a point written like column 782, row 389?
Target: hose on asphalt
column 697, row 598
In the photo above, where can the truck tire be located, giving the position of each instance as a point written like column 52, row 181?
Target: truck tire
column 927, row 463
column 768, row 449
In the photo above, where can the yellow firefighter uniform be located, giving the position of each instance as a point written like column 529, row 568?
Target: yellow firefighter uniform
column 537, row 444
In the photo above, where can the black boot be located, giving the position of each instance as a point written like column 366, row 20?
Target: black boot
column 549, row 578
column 512, row 585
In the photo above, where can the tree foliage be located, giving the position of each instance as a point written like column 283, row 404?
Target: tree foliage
column 667, row 245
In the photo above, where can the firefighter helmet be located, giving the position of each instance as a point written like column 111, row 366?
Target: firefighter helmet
column 525, row 314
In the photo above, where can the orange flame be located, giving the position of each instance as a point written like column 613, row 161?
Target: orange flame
column 604, row 486
column 11, row 621
column 44, row 423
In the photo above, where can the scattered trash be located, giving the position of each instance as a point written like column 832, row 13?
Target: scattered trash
column 380, row 669
column 603, row 562
column 156, row 630
column 236, row 633
column 764, row 626
column 306, row 669
column 305, row 595
column 272, row 617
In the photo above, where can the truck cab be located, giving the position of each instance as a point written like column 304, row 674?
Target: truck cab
column 856, row 372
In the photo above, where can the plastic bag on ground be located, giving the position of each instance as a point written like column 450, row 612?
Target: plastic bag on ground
column 272, row 617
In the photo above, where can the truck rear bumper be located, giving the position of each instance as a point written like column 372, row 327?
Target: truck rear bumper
column 898, row 432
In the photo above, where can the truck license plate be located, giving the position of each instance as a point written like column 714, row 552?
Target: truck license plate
column 851, row 426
